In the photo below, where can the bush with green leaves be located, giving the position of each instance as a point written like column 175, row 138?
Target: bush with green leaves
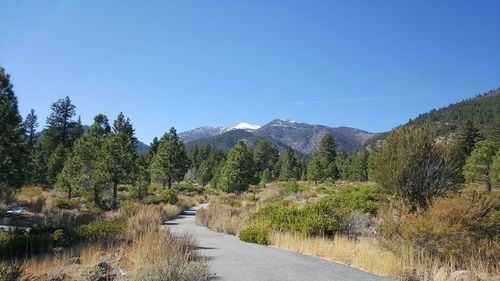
column 313, row 219
column 291, row 187
column 255, row 234
column 363, row 198
column 20, row 244
column 101, row 230
column 168, row 196
column 10, row 272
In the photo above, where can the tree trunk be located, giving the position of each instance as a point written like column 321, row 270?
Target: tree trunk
column 69, row 192
column 115, row 195
column 96, row 196
column 169, row 181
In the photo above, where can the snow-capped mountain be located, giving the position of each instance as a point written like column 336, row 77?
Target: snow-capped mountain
column 302, row 137
column 211, row 131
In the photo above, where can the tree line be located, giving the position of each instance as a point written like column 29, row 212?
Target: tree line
column 412, row 161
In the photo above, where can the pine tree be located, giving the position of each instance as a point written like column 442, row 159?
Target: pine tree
column 238, row 172
column 495, row 132
column 265, row 156
column 327, row 155
column 495, row 169
column 477, row 166
column 12, row 139
column 56, row 163
column 314, row 170
column 289, row 166
column 87, row 157
column 119, row 153
column 60, row 123
column 467, row 138
column 67, row 180
column 170, row 162
column 204, row 173
column 30, row 124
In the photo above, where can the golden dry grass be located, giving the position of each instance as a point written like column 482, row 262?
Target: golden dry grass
column 145, row 243
column 362, row 253
column 223, row 218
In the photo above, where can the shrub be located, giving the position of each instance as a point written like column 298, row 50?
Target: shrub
column 457, row 226
column 167, row 196
column 101, row 230
column 174, row 268
column 361, row 198
column 64, row 203
column 313, row 219
column 10, row 272
column 19, row 244
column 254, row 234
column 291, row 187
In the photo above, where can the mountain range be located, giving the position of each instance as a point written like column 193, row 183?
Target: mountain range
column 302, row 137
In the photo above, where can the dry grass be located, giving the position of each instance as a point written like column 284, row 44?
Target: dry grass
column 223, row 218
column 359, row 253
column 145, row 244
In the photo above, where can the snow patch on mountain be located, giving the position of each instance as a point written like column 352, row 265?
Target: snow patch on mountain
column 245, row 126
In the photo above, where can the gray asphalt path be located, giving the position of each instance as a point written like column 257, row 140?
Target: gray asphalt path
column 233, row 260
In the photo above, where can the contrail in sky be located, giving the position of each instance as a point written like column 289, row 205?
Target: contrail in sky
column 364, row 99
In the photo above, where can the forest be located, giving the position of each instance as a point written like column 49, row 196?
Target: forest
column 429, row 204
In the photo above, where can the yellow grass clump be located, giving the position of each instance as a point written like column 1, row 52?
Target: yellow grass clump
column 362, row 253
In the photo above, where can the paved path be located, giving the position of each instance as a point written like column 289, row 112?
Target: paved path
column 234, row 260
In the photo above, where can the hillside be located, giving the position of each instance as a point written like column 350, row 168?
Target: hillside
column 302, row 137
column 482, row 110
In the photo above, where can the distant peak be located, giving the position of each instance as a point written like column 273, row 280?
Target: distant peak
column 245, row 126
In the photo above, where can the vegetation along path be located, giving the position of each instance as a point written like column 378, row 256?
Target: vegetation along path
column 233, row 260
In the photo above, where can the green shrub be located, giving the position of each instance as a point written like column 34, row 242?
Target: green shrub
column 101, row 230
column 64, row 203
column 290, row 188
column 254, row 234
column 313, row 219
column 138, row 191
column 19, row 244
column 10, row 272
column 361, row 198
column 168, row 196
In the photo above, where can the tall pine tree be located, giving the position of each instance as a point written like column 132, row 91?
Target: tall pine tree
column 170, row 162
column 238, row 172
column 12, row 139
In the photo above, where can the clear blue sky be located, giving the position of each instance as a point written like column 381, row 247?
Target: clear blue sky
column 366, row 64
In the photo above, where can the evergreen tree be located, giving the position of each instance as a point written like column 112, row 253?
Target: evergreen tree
column 370, row 165
column 67, row 180
column 88, row 159
column 238, row 172
column 170, row 161
column 60, row 123
column 119, row 153
column 265, row 156
column 217, row 174
column 55, row 163
column 289, row 166
column 205, row 173
column 467, row 138
column 12, row 139
column 477, row 166
column 314, row 170
column 327, row 155
column 30, row 124
column 410, row 164
column 495, row 169
column 495, row 132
